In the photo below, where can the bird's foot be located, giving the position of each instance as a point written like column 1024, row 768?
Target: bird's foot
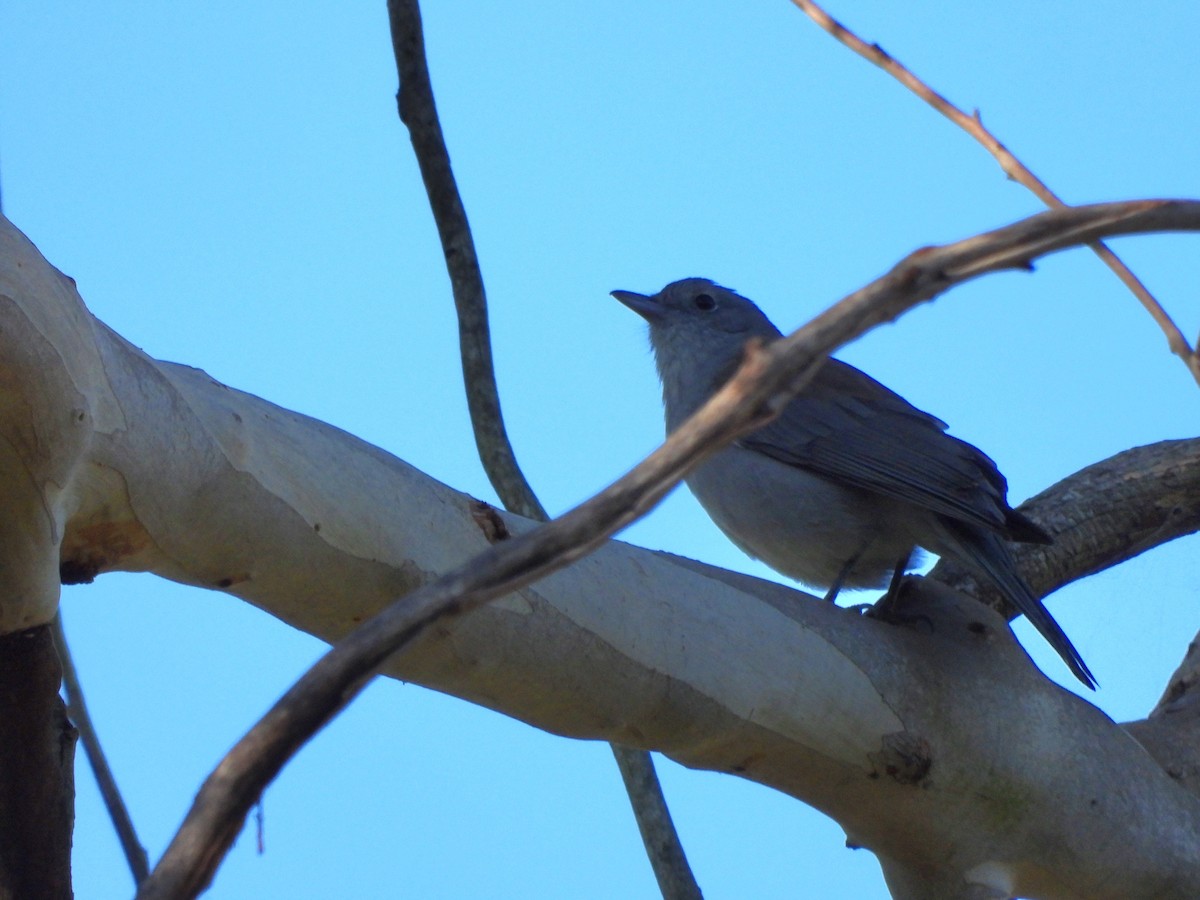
column 889, row 607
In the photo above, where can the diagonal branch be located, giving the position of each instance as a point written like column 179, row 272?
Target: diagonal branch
column 1011, row 166
column 77, row 711
column 418, row 111
column 419, row 115
column 767, row 378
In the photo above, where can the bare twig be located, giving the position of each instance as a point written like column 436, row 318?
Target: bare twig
column 418, row 111
column 766, row 380
column 77, row 711
column 1012, row 167
column 665, row 850
column 419, row 114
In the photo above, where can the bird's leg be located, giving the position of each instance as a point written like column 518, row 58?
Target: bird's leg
column 844, row 573
column 886, row 607
column 831, row 594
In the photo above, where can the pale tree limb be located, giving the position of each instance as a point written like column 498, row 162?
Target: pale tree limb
column 1099, row 517
column 37, row 751
column 37, row 740
column 418, row 112
column 1172, row 730
column 1077, row 735
column 1011, row 166
column 1183, row 690
column 1171, row 733
column 77, row 711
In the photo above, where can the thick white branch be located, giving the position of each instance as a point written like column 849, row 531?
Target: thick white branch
column 938, row 746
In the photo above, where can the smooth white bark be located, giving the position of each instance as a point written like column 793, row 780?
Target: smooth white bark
column 938, row 746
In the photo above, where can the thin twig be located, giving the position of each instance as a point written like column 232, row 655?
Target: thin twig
column 135, row 853
column 418, row 111
column 419, row 114
column 665, row 850
column 766, row 379
column 1012, row 167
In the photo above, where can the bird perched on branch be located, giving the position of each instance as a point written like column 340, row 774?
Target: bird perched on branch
column 843, row 486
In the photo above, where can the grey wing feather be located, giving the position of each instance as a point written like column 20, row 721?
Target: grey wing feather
column 848, row 426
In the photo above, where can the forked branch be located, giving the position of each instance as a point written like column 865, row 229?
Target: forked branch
column 1013, row 168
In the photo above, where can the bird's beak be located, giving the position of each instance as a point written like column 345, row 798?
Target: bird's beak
column 647, row 307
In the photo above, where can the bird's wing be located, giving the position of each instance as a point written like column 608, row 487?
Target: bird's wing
column 848, row 426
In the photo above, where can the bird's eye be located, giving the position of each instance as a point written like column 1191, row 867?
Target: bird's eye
column 704, row 302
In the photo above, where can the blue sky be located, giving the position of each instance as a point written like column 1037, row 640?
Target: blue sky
column 231, row 188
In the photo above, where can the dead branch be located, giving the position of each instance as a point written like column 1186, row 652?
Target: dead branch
column 77, row 711
column 1011, row 166
column 418, row 111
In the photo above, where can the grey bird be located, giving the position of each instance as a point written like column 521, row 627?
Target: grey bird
column 849, row 480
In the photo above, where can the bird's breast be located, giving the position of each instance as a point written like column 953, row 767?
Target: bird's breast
column 799, row 523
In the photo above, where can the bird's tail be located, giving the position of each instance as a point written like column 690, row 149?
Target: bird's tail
column 989, row 554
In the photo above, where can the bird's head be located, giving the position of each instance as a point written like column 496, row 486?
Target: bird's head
column 697, row 332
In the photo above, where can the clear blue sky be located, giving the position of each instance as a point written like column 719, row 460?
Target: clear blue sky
column 231, row 188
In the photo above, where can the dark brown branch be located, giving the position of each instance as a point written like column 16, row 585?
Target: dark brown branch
column 135, row 853
column 665, row 850
column 418, row 111
column 1011, row 166
column 1101, row 516
column 767, row 379
column 419, row 115
column 37, row 770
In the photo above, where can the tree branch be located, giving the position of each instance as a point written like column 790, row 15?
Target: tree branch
column 659, row 837
column 1171, row 733
column 37, row 778
column 1182, row 694
column 766, row 380
column 1099, row 517
column 1011, row 166
column 77, row 712
column 418, row 112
